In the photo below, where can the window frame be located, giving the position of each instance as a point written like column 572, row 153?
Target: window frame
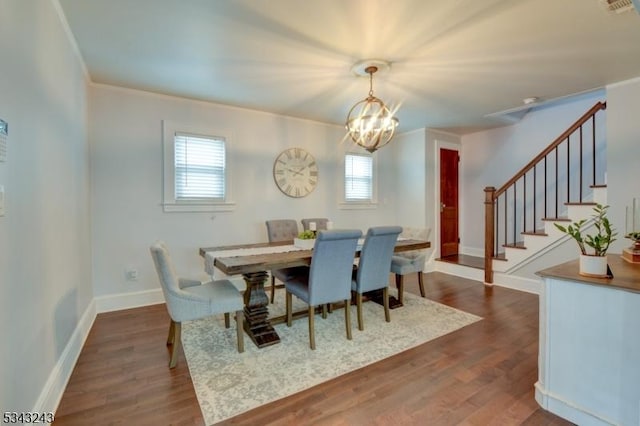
column 170, row 203
column 371, row 203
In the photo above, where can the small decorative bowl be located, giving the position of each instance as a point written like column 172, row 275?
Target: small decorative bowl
column 304, row 244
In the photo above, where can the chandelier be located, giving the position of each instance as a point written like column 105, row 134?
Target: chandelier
column 370, row 123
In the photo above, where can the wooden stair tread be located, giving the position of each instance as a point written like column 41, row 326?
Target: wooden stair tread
column 518, row 245
column 500, row 256
column 598, row 186
column 556, row 219
column 539, row 233
column 584, row 203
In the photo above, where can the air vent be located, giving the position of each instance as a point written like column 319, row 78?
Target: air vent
column 617, row 6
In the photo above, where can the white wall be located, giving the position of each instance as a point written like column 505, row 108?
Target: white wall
column 623, row 153
column 125, row 137
column 45, row 252
column 409, row 150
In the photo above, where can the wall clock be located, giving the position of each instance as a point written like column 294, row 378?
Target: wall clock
column 295, row 172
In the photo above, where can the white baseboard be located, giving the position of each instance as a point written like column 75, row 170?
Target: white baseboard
column 460, row 270
column 117, row 302
column 571, row 412
column 472, row 251
column 517, row 283
column 59, row 377
column 499, row 279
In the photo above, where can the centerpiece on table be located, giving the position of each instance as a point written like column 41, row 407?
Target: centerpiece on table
column 593, row 264
column 305, row 239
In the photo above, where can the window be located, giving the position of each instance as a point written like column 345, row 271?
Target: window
column 358, row 178
column 199, row 167
column 196, row 169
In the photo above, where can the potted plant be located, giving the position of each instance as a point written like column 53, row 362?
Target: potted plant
column 305, row 240
column 592, row 264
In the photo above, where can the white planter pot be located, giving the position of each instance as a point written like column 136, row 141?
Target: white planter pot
column 304, row 244
column 593, row 266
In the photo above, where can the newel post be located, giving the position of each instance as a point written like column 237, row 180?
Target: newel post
column 489, row 233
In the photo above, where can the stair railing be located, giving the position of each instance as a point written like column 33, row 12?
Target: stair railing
column 560, row 175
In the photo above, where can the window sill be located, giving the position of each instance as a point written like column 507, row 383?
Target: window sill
column 358, row 205
column 198, row 208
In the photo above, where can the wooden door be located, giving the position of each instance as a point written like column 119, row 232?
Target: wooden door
column 449, row 237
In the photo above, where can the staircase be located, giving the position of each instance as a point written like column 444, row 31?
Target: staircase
column 535, row 244
column 562, row 184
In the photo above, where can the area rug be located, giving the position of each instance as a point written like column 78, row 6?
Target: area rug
column 228, row 383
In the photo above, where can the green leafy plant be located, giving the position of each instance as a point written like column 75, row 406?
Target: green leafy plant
column 635, row 236
column 600, row 241
column 307, row 235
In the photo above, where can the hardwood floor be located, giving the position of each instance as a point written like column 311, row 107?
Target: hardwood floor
column 464, row 259
column 482, row 374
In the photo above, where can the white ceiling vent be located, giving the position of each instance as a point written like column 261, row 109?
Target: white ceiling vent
column 618, row 6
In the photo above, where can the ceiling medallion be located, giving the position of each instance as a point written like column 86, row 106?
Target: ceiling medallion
column 370, row 123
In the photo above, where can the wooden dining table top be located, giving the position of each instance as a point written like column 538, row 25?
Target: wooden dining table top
column 243, row 264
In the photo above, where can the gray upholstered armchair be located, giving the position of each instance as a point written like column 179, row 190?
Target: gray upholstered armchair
column 373, row 269
column 328, row 278
column 281, row 230
column 190, row 300
column 410, row 262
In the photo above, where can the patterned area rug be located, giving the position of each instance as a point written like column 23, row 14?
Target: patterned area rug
column 228, row 383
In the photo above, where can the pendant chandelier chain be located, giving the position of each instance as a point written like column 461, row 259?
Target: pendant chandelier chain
column 370, row 71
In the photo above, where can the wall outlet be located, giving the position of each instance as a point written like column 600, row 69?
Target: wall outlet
column 131, row 274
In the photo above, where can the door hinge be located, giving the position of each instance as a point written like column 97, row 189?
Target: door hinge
column 458, row 240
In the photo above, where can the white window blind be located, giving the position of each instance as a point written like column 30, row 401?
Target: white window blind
column 358, row 177
column 199, row 167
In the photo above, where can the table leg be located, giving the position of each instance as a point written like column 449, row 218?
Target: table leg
column 256, row 311
column 376, row 296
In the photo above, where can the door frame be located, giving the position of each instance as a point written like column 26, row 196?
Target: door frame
column 436, row 205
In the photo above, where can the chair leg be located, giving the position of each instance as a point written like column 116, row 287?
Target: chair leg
column 273, row 288
column 347, row 317
column 421, row 283
column 172, row 331
column 240, row 329
column 175, row 348
column 324, row 311
column 400, row 286
column 227, row 320
column 288, row 304
column 312, row 334
column 385, row 297
column 359, row 305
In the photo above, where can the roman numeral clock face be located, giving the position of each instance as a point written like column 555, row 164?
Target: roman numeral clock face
column 295, row 172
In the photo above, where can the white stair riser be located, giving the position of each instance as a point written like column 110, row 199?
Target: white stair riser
column 537, row 243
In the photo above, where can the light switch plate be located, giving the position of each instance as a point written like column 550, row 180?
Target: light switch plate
column 1, row 200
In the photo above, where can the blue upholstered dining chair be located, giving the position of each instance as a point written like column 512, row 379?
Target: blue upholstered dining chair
column 372, row 272
column 281, row 230
column 191, row 300
column 321, row 223
column 328, row 278
column 410, row 262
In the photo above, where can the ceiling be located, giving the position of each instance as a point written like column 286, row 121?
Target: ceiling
column 452, row 62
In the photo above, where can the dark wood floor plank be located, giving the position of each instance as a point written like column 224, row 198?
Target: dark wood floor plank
column 482, row 374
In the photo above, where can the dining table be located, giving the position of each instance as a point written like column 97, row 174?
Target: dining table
column 253, row 261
